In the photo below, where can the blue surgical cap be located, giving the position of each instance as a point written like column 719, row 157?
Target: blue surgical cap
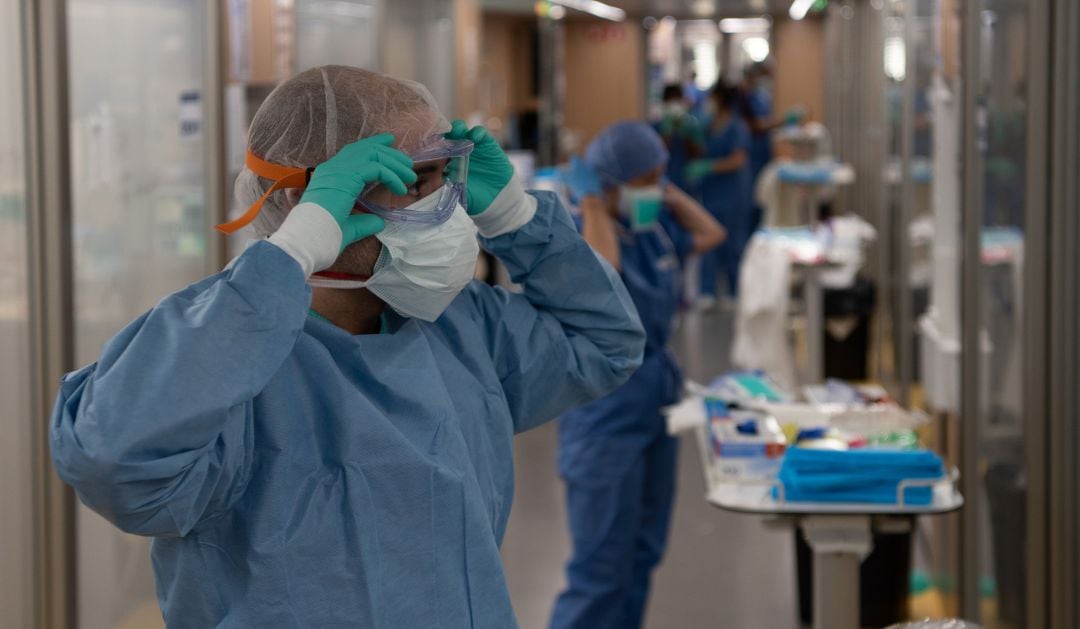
column 626, row 150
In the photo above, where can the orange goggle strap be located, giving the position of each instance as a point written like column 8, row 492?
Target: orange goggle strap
column 282, row 176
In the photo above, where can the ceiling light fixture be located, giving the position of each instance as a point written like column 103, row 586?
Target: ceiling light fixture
column 592, row 7
column 799, row 8
column 745, row 24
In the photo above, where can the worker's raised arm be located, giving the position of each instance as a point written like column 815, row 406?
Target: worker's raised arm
column 157, row 435
column 573, row 334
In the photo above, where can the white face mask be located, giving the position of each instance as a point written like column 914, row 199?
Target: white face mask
column 422, row 268
column 641, row 206
column 674, row 108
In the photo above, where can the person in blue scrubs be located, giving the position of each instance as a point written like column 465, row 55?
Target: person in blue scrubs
column 682, row 133
column 695, row 96
column 725, row 180
column 321, row 434
column 757, row 106
column 615, row 456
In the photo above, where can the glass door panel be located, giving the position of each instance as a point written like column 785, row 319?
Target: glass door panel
column 139, row 221
column 1002, row 116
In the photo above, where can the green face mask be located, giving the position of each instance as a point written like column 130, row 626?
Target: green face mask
column 641, row 206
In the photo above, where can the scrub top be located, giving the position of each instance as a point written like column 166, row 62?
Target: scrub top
column 727, row 195
column 295, row 475
column 759, row 102
column 651, row 269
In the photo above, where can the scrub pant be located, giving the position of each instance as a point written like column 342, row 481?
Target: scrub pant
column 726, row 258
column 619, row 525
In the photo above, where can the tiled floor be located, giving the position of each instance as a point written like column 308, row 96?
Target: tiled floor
column 722, row 570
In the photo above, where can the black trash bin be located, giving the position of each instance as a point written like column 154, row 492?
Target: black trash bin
column 847, row 335
column 884, row 579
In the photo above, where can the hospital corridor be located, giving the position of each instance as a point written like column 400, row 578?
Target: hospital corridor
column 550, row 314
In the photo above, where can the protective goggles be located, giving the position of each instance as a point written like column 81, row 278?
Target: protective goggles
column 441, row 166
column 442, row 169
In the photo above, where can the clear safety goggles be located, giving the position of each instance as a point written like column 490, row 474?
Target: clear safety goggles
column 441, row 166
column 442, row 169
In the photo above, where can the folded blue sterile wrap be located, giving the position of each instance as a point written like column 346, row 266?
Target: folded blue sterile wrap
column 868, row 476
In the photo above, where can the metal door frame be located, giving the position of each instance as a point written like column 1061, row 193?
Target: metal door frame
column 970, row 319
column 1036, row 337
column 50, row 290
column 1062, row 574
column 1038, row 313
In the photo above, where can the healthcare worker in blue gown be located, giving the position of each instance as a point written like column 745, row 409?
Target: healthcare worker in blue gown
column 683, row 135
column 724, row 178
column 757, row 111
column 321, row 435
column 615, row 455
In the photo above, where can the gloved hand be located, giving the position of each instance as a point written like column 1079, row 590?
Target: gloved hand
column 668, row 124
column 497, row 202
column 337, row 183
column 316, row 231
column 695, row 133
column 489, row 168
column 582, row 179
column 697, row 169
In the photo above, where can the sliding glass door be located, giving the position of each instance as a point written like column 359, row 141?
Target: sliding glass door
column 137, row 89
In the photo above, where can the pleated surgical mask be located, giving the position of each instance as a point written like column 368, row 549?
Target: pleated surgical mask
column 422, row 267
column 641, row 206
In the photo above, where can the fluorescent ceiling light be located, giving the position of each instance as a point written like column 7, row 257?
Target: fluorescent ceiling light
column 895, row 58
column 799, row 8
column 757, row 48
column 592, row 7
column 745, row 24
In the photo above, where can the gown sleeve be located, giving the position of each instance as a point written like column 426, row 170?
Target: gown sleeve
column 572, row 335
column 157, row 436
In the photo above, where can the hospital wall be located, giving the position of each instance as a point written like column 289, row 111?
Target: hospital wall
column 599, row 88
column 799, row 62
column 508, row 54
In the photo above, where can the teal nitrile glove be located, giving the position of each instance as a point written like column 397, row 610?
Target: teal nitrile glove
column 316, row 231
column 489, row 168
column 697, row 169
column 582, row 179
column 667, row 124
column 336, row 184
column 695, row 132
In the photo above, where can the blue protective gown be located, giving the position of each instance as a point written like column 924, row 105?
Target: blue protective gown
column 616, row 457
column 294, row 475
column 727, row 196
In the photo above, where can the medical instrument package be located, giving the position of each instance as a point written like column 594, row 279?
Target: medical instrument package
column 864, row 475
column 746, row 445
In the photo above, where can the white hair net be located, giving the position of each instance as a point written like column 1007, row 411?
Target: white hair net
column 310, row 117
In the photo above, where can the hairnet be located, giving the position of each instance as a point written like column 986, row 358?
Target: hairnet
column 310, row 117
column 626, row 150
